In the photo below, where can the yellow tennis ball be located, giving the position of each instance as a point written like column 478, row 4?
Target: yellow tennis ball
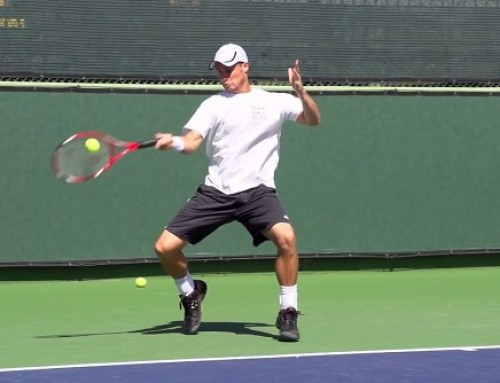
column 141, row 282
column 92, row 145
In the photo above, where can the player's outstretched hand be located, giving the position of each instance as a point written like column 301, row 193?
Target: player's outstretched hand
column 295, row 78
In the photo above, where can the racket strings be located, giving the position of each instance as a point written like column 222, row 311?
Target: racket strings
column 73, row 162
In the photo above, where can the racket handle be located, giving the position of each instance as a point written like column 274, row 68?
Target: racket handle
column 147, row 144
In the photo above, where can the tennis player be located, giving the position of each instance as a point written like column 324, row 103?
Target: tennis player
column 241, row 127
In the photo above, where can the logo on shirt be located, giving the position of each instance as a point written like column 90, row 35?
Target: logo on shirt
column 259, row 113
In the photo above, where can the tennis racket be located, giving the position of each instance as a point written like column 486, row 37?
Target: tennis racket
column 86, row 155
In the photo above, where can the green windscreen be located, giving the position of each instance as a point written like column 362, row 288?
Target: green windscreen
column 382, row 174
column 337, row 40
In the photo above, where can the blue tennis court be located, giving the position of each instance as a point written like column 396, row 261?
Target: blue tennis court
column 447, row 365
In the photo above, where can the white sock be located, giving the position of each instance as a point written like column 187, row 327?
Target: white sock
column 288, row 297
column 185, row 285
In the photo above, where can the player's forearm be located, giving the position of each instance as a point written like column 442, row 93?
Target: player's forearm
column 191, row 141
column 188, row 146
column 184, row 144
column 311, row 115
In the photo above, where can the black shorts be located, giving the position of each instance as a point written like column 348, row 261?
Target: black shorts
column 258, row 209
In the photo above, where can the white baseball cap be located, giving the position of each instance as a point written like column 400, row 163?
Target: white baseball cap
column 229, row 55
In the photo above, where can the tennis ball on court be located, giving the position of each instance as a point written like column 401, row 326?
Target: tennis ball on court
column 92, row 145
column 141, row 282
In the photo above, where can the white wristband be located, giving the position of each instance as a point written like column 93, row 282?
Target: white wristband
column 178, row 144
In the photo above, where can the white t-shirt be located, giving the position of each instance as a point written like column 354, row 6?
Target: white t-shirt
column 242, row 136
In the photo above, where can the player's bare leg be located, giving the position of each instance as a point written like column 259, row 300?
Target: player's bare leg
column 287, row 260
column 169, row 249
column 192, row 292
column 287, row 268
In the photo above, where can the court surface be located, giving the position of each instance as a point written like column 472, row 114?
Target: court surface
column 434, row 365
column 435, row 325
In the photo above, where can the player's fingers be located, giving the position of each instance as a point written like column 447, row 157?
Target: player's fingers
column 297, row 66
column 290, row 75
column 163, row 141
column 159, row 144
column 159, row 136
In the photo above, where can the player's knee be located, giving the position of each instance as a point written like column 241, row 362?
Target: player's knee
column 167, row 244
column 160, row 248
column 286, row 241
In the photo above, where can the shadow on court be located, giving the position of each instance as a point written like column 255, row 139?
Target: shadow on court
column 238, row 328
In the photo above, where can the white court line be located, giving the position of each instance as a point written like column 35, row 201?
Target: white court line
column 277, row 356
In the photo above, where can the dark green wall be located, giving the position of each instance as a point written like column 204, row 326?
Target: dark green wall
column 382, row 173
